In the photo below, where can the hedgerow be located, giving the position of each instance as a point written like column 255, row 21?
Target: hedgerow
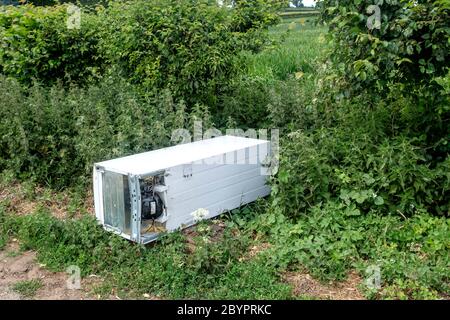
column 54, row 135
column 189, row 47
column 36, row 44
column 380, row 139
column 364, row 174
column 394, row 52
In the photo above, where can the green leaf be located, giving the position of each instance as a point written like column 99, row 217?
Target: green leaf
column 379, row 201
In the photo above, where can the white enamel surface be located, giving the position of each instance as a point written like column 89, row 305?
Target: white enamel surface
column 156, row 160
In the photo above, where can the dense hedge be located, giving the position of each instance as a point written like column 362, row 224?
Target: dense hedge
column 36, row 44
column 186, row 46
column 190, row 47
column 410, row 46
column 363, row 172
column 380, row 137
column 70, row 97
column 397, row 61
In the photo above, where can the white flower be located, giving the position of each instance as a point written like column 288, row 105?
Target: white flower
column 199, row 214
column 204, row 229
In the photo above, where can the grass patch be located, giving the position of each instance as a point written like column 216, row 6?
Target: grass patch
column 169, row 268
column 27, row 288
column 301, row 45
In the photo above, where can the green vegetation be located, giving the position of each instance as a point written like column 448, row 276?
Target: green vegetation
column 364, row 178
column 54, row 135
column 36, row 44
column 276, row 81
column 332, row 239
column 27, row 288
column 125, row 94
column 212, row 268
column 399, row 65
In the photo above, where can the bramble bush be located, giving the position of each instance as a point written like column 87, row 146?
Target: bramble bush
column 251, row 18
column 364, row 177
column 398, row 62
column 186, row 46
column 191, row 47
column 389, row 175
column 381, row 137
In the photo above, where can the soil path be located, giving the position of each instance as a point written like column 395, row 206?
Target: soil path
column 18, row 266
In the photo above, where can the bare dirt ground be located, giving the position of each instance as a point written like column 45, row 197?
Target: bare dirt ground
column 18, row 266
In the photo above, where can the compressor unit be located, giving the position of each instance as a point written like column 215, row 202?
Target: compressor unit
column 142, row 195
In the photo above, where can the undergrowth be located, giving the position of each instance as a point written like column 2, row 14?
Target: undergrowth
column 170, row 268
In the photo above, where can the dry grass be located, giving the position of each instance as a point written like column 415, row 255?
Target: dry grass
column 305, row 285
column 22, row 200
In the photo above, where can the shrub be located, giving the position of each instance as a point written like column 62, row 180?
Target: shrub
column 190, row 47
column 145, row 57
column 256, row 14
column 397, row 61
column 36, row 130
column 185, row 46
column 256, row 102
column 392, row 155
column 36, row 44
column 353, row 168
column 251, row 17
column 246, row 101
column 409, row 46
